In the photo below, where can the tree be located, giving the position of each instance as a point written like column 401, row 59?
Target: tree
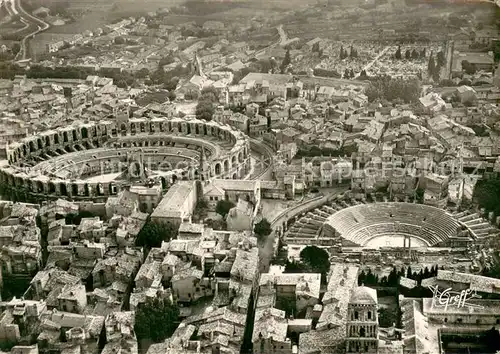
column 165, row 61
column 427, row 273
column 371, row 278
column 295, row 267
column 423, row 53
column 317, row 260
column 353, row 52
column 492, row 339
column 347, row 74
column 469, row 68
column 152, row 234
column 407, row 54
column 387, row 318
column 496, row 48
column 487, row 195
column 141, row 74
column 209, row 94
column 352, row 74
column 205, row 110
column 119, row 40
column 223, row 206
column 156, row 320
column 441, row 60
column 436, row 74
column 397, row 55
column 171, row 96
column 341, row 52
column 122, row 84
column 286, row 61
column 315, row 47
column 386, row 88
column 262, row 229
column 393, row 278
column 419, row 195
column 419, row 277
column 325, row 73
column 434, row 271
column 414, row 54
column 171, row 84
column 361, row 278
column 431, row 65
column 16, row 47
column 363, row 74
column 409, row 273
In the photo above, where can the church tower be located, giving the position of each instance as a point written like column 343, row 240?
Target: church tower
column 198, row 67
column 362, row 321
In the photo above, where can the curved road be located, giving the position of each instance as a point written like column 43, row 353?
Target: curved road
column 263, row 50
column 266, row 161
column 283, row 36
column 26, row 18
column 329, row 194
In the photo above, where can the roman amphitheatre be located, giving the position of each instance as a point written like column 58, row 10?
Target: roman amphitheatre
column 352, row 224
column 90, row 162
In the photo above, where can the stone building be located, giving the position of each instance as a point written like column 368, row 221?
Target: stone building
column 362, row 321
column 177, row 205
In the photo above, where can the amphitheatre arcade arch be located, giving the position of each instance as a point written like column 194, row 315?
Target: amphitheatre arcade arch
column 64, row 153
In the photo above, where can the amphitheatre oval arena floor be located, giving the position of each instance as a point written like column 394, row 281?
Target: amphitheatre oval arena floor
column 394, row 241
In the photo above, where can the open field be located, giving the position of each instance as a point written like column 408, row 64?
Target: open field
column 96, row 13
column 10, row 27
column 358, row 24
column 91, row 14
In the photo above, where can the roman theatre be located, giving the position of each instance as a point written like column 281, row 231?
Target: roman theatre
column 356, row 224
column 93, row 161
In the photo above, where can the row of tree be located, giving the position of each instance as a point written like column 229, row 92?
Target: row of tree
column 410, row 55
column 392, row 280
column 326, row 73
column 122, row 79
column 384, row 87
column 353, row 53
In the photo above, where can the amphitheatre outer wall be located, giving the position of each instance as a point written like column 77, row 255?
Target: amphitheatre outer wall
column 28, row 167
